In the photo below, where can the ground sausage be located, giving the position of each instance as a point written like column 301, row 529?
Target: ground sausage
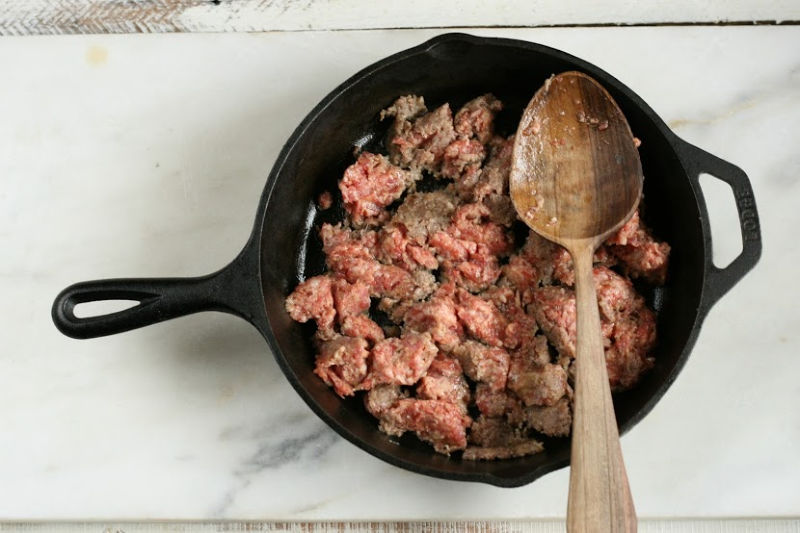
column 481, row 318
column 342, row 364
column 419, row 142
column 313, row 299
column 553, row 420
column 404, row 360
column 476, row 118
column 442, row 424
column 424, row 213
column 433, row 306
column 372, row 183
column 381, row 397
column 485, row 364
column 445, row 381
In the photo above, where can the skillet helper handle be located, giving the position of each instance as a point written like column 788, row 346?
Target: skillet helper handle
column 231, row 290
column 720, row 280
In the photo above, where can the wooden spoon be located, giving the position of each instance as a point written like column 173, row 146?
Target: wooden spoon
column 575, row 178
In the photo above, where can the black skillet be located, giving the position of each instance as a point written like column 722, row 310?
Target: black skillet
column 284, row 247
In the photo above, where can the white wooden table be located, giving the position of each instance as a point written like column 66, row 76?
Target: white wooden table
column 140, row 148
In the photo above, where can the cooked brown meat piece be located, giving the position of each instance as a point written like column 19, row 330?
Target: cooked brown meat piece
column 519, row 449
column 494, row 438
column 370, row 184
column 460, row 303
column 627, row 358
column 501, row 209
column 342, row 364
column 554, row 309
column 415, row 288
column 536, row 384
column 442, row 424
column 381, row 397
column 404, row 360
column 445, row 381
column 492, row 431
column 494, row 177
column 483, row 363
column 425, row 213
column 419, row 142
column 531, row 347
column 405, row 108
column 553, row 420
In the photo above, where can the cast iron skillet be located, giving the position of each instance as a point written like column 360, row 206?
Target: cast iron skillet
column 284, row 247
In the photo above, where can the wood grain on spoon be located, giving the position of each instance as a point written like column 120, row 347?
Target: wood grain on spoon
column 575, row 178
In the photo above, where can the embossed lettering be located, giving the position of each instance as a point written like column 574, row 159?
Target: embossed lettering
column 747, row 215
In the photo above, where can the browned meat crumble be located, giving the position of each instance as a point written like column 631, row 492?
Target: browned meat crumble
column 478, row 353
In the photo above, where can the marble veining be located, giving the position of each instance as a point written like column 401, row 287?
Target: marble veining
column 280, row 442
column 151, row 162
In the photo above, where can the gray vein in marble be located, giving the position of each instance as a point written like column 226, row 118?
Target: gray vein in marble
column 269, row 455
column 289, row 439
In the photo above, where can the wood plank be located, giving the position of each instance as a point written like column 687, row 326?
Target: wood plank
column 777, row 525
column 31, row 17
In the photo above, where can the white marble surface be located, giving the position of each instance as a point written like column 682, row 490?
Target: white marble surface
column 50, row 17
column 145, row 156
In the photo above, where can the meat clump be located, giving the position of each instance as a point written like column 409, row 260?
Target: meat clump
column 370, row 184
column 452, row 320
column 442, row 424
column 418, row 139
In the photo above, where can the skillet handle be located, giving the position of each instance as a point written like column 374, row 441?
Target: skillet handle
column 233, row 289
column 720, row 280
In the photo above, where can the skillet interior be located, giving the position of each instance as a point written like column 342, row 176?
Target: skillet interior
column 455, row 69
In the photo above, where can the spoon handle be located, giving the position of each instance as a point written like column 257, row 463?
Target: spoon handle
column 599, row 495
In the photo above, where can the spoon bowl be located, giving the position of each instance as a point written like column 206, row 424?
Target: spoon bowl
column 560, row 191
